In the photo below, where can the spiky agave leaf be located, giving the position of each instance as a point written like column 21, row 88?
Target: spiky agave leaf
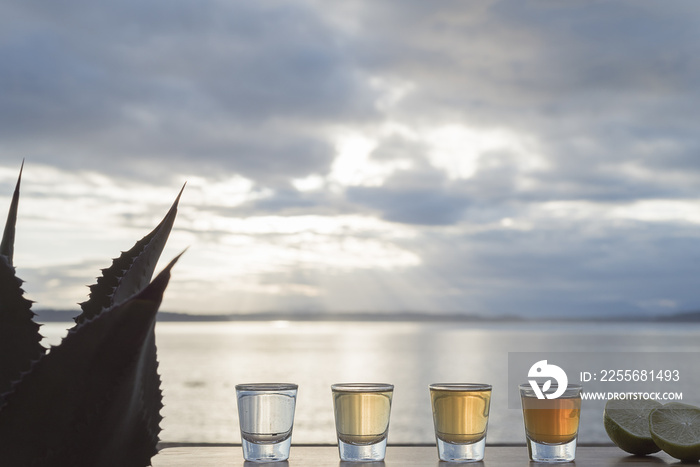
column 131, row 271
column 7, row 245
column 82, row 404
column 19, row 334
column 128, row 274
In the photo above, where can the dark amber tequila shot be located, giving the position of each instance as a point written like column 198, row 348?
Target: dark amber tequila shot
column 551, row 425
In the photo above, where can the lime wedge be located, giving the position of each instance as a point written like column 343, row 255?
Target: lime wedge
column 675, row 428
column 627, row 424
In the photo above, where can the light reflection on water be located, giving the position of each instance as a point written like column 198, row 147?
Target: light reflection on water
column 200, row 364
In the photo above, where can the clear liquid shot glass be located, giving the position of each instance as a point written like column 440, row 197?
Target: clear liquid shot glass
column 266, row 416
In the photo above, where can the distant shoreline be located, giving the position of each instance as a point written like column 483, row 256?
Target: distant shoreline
column 48, row 316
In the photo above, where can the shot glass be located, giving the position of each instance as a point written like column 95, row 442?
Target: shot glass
column 460, row 416
column 362, row 420
column 551, row 425
column 266, row 415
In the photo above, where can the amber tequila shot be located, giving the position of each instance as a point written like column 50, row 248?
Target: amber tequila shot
column 551, row 425
column 460, row 416
column 362, row 419
column 266, row 416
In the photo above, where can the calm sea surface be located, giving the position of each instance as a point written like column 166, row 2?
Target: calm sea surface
column 200, row 363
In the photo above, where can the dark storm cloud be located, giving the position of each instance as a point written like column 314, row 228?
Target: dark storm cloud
column 221, row 83
column 284, row 202
column 410, row 206
column 421, row 195
column 521, row 59
column 123, row 87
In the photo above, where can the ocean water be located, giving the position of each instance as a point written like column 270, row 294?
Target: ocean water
column 201, row 362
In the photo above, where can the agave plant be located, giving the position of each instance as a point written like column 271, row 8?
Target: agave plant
column 95, row 399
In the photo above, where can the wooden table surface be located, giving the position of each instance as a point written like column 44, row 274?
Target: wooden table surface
column 398, row 456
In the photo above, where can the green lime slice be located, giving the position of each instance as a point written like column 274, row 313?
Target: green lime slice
column 627, row 424
column 675, row 428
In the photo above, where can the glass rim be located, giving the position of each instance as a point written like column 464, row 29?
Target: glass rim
column 362, row 387
column 267, row 387
column 461, row 387
column 554, row 385
column 571, row 389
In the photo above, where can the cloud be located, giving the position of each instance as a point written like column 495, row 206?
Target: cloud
column 236, row 86
column 583, row 80
column 411, row 206
column 534, row 156
column 419, row 196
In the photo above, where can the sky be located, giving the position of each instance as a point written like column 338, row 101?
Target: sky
column 524, row 157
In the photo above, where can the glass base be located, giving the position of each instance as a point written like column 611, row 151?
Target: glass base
column 270, row 452
column 449, row 452
column 540, row 452
column 362, row 452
